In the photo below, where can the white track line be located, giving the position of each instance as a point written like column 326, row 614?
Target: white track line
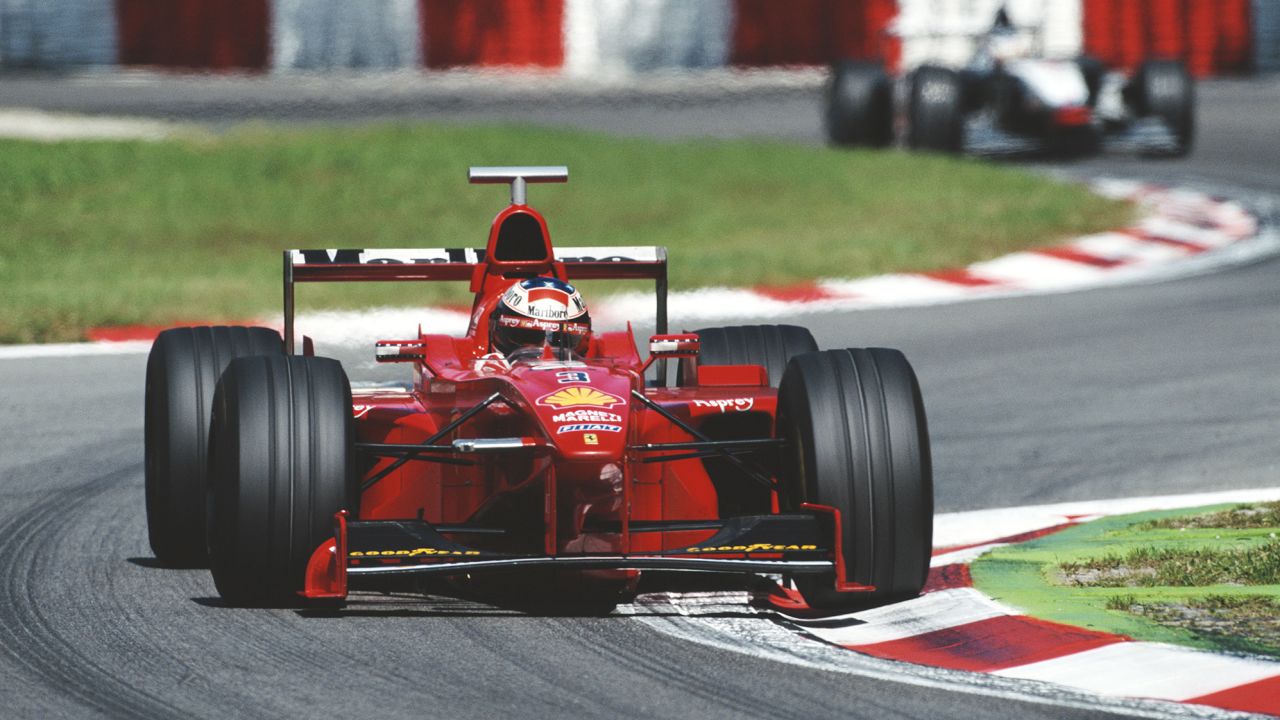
column 57, row 127
column 965, row 555
column 977, row 526
column 50, row 350
column 927, row 613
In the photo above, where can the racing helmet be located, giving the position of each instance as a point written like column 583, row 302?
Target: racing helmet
column 1006, row 41
column 540, row 311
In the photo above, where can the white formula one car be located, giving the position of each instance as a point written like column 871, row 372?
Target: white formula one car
column 1009, row 93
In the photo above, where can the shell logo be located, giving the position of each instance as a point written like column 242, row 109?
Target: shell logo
column 579, row 397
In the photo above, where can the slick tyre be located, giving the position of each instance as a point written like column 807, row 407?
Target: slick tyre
column 1164, row 89
column 1093, row 71
column 859, row 442
column 936, row 110
column 859, row 105
column 182, row 372
column 770, row 346
column 282, row 451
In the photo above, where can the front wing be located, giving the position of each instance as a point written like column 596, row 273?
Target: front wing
column 792, row 544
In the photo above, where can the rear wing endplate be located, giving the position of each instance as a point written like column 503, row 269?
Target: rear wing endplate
column 384, row 265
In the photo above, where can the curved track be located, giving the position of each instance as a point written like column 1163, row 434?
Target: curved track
column 1128, row 391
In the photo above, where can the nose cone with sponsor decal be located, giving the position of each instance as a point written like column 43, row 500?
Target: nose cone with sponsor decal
column 540, row 311
column 584, row 409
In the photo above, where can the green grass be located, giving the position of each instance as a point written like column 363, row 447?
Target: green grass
column 1247, row 515
column 1182, row 582
column 111, row 233
column 1250, row 623
column 1155, row 566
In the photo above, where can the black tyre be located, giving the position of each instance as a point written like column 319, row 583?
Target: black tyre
column 1092, row 70
column 182, row 371
column 770, row 346
column 1164, row 89
column 936, row 110
column 975, row 90
column 859, row 105
column 860, row 444
column 281, row 449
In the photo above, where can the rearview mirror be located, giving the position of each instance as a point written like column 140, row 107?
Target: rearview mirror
column 399, row 350
column 667, row 346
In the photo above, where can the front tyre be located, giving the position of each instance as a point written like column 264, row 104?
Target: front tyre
column 1164, row 89
column 282, row 446
column 859, row 105
column 860, row 444
column 936, row 110
column 182, row 371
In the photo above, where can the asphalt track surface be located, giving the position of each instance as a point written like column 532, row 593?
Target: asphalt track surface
column 1151, row 389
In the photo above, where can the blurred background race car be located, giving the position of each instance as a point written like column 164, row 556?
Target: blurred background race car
column 1008, row 93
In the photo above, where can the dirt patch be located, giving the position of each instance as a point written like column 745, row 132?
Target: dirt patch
column 1178, row 567
column 1255, row 619
column 1253, row 515
column 1120, row 576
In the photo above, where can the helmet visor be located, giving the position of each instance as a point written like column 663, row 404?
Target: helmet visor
column 513, row 332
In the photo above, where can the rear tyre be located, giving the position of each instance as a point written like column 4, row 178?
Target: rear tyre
column 1092, row 70
column 1164, row 89
column 859, row 105
column 182, row 371
column 936, row 110
column 281, row 449
column 860, row 444
column 770, row 346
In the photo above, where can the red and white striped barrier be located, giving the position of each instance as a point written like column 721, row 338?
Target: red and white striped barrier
column 602, row 38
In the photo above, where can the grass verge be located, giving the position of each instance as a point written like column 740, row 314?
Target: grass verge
column 1249, row 622
column 1155, row 566
column 117, row 233
column 1207, row 578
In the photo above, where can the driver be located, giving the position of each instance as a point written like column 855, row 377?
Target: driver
column 536, row 313
column 1002, row 43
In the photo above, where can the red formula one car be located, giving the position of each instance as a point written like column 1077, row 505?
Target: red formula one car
column 531, row 452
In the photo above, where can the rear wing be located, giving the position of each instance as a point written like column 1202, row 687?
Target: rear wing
column 383, row 265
